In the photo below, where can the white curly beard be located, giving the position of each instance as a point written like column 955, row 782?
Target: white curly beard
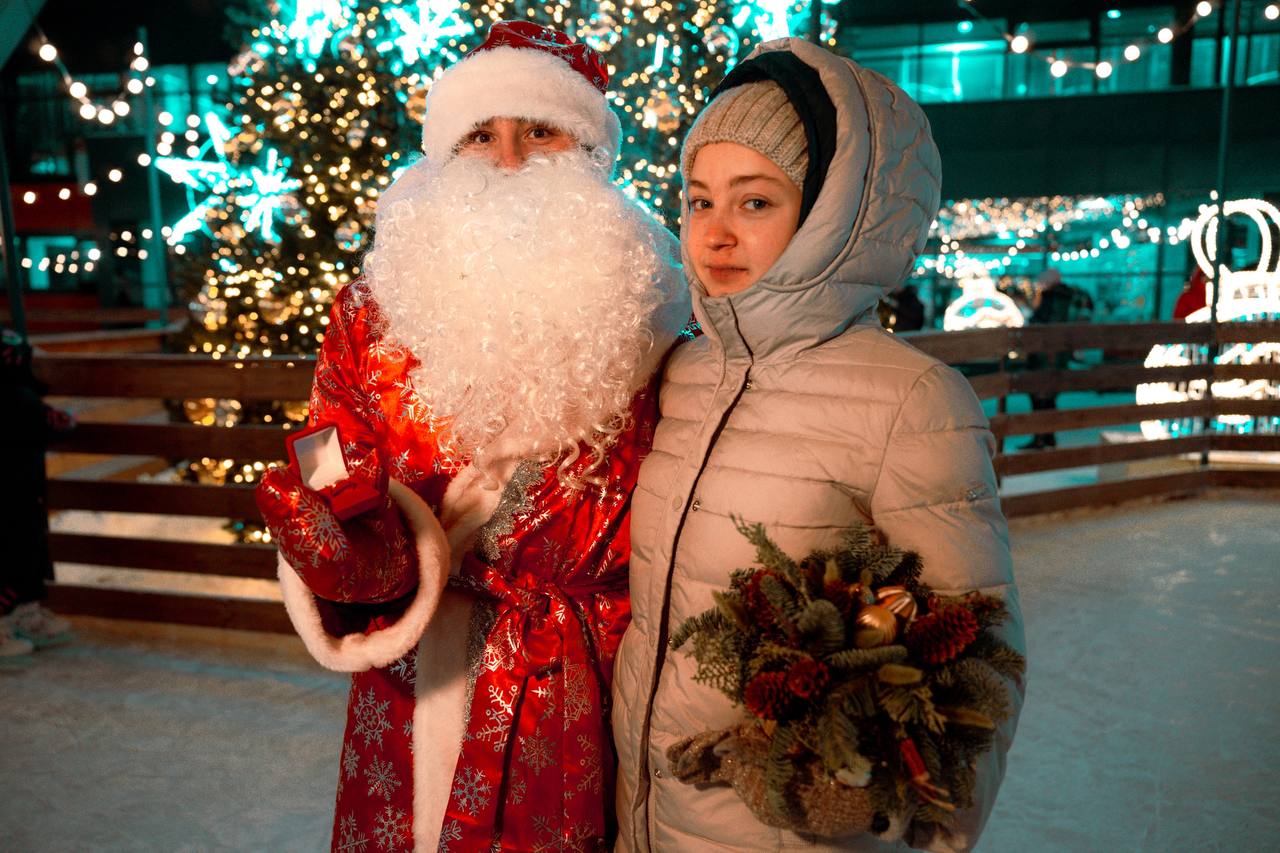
column 530, row 300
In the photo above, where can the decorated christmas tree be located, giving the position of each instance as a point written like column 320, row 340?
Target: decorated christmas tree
column 328, row 97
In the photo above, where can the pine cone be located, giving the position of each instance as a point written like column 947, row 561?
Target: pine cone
column 942, row 634
column 757, row 602
column 767, row 696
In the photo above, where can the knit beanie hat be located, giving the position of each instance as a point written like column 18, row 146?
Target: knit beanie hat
column 758, row 115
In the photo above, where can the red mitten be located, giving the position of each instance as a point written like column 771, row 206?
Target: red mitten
column 347, row 541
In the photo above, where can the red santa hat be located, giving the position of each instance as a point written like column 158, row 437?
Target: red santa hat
column 528, row 71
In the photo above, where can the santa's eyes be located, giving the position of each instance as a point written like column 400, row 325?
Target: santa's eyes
column 537, row 133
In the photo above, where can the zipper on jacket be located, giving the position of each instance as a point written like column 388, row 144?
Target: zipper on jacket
column 643, row 783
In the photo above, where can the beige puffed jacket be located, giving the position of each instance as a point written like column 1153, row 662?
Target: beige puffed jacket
column 796, row 410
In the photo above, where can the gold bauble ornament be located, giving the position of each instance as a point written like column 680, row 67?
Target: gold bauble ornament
column 898, row 601
column 876, row 627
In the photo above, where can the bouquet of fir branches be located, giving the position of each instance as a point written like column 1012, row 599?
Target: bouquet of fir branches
column 865, row 694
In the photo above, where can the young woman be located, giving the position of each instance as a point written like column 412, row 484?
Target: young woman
column 810, row 184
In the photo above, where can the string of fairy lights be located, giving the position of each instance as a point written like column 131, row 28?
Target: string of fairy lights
column 1022, row 41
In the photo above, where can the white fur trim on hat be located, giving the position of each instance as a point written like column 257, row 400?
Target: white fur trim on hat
column 516, row 83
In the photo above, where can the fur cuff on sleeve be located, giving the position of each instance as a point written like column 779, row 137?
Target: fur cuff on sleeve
column 358, row 652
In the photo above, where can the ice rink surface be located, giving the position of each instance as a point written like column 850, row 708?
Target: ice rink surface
column 1152, row 720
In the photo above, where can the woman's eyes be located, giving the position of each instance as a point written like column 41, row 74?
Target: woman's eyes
column 754, row 205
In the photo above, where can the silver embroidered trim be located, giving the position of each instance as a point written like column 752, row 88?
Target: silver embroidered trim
column 483, row 615
column 517, row 497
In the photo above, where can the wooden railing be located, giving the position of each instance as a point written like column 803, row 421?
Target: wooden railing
column 1003, row 352
column 994, row 374
column 162, row 377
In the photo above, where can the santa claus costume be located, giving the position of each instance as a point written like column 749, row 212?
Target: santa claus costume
column 489, row 383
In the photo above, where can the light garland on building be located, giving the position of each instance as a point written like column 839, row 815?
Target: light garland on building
column 89, row 109
column 1024, row 221
column 1023, row 43
column 1243, row 295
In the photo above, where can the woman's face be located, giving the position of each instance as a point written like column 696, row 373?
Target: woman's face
column 743, row 211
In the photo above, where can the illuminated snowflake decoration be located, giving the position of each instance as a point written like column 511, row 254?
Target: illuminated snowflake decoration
column 257, row 189
column 1244, row 295
column 428, row 31
column 417, row 30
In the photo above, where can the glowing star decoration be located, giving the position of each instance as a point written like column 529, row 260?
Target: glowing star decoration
column 1243, row 295
column 259, row 190
column 436, row 21
column 980, row 305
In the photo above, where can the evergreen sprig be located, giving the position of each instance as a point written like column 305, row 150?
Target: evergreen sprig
column 853, row 707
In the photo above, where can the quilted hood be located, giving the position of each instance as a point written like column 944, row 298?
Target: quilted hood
column 864, row 232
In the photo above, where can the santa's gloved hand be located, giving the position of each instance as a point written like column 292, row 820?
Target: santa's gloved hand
column 352, row 550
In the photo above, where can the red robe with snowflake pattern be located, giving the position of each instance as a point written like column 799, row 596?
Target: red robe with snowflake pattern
column 548, row 573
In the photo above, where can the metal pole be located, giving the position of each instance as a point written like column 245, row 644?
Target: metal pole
column 155, row 286
column 10, row 242
column 815, row 21
column 1222, row 249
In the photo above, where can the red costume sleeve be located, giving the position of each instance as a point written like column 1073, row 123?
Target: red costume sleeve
column 368, row 558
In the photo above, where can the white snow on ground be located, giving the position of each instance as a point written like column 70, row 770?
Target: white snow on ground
column 1153, row 702
column 1151, row 720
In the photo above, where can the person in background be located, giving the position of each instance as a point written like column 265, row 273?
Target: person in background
column 1052, row 303
column 908, row 310
column 1193, row 296
column 28, row 425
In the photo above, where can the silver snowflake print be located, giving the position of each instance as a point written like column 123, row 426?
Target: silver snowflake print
column 319, row 525
column 350, row 762
column 471, row 791
column 402, row 470
column 350, row 839
column 516, row 789
column 390, row 827
column 591, row 777
column 450, row 832
column 382, row 778
column 577, row 692
column 535, row 752
column 503, row 648
column 407, row 668
column 371, row 718
column 578, row 838
column 407, row 729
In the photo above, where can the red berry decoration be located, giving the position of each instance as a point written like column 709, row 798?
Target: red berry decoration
column 757, row 602
column 807, row 677
column 767, row 695
column 940, row 635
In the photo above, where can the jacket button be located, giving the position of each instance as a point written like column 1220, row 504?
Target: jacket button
column 695, row 506
column 749, row 385
column 657, row 772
